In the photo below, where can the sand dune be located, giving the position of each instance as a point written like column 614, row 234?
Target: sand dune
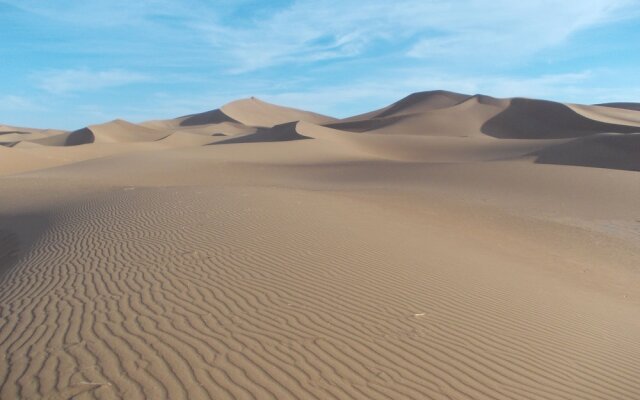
column 414, row 103
column 22, row 130
column 448, row 114
column 206, row 123
column 254, row 112
column 608, row 114
column 626, row 106
column 535, row 119
column 444, row 247
column 117, row 131
column 10, row 135
column 239, row 117
column 9, row 138
column 279, row 133
column 205, row 118
column 59, row 139
column 419, row 113
column 603, row 151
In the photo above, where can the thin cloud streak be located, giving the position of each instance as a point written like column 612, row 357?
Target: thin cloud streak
column 79, row 80
column 505, row 30
column 306, row 32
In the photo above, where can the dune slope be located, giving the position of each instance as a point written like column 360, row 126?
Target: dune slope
column 444, row 247
column 450, row 114
column 535, row 119
column 254, row 112
column 626, row 106
column 603, row 151
column 172, row 298
column 117, row 131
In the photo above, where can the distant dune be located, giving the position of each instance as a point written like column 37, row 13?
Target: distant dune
column 433, row 116
column 447, row 246
column 626, row 106
column 254, row 112
column 451, row 114
column 117, row 131
column 604, row 151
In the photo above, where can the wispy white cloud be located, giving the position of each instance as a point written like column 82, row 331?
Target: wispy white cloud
column 509, row 30
column 103, row 12
column 13, row 102
column 309, row 31
column 303, row 32
column 79, row 80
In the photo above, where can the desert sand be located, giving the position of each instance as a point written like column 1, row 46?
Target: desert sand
column 444, row 247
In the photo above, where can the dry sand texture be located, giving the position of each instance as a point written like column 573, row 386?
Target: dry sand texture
column 444, row 247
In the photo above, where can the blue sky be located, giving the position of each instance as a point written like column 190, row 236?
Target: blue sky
column 69, row 63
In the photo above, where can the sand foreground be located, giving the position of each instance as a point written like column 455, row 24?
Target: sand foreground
column 444, row 247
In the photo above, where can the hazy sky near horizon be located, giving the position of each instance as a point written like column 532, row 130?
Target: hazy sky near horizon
column 69, row 63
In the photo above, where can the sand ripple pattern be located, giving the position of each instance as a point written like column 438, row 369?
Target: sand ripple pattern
column 192, row 294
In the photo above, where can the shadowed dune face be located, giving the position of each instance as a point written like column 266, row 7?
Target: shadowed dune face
column 454, row 116
column 433, row 116
column 279, row 133
column 81, row 136
column 451, row 114
column 205, row 118
column 602, row 151
column 19, row 232
column 538, row 119
column 117, row 131
column 9, row 249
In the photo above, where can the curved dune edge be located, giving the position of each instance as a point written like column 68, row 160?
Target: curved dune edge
column 117, row 131
column 624, row 106
column 537, row 119
column 279, row 133
column 608, row 114
column 254, row 112
column 446, row 114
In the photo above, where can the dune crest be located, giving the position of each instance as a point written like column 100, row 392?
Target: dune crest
column 538, row 119
column 255, row 112
column 451, row 114
column 624, row 106
column 116, row 131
